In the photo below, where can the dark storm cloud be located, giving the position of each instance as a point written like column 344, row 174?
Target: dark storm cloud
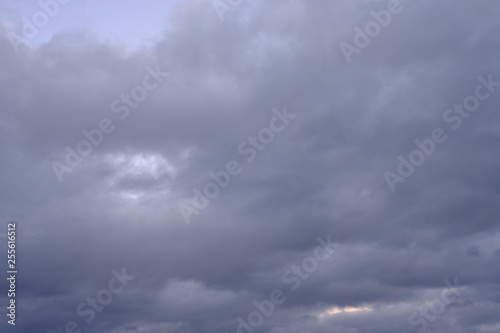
column 323, row 175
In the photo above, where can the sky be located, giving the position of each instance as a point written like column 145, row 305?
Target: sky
column 225, row 166
column 124, row 22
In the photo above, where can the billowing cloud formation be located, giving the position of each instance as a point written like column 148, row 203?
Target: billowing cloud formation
column 176, row 125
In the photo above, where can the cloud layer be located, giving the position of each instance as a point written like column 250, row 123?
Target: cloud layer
column 321, row 176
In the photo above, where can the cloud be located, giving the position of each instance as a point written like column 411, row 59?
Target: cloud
column 322, row 176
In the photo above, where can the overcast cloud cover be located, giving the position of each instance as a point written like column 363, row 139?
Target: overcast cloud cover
column 398, row 248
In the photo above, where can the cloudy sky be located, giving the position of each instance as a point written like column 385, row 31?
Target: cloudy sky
column 225, row 166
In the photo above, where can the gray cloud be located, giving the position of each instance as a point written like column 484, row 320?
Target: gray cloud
column 322, row 176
